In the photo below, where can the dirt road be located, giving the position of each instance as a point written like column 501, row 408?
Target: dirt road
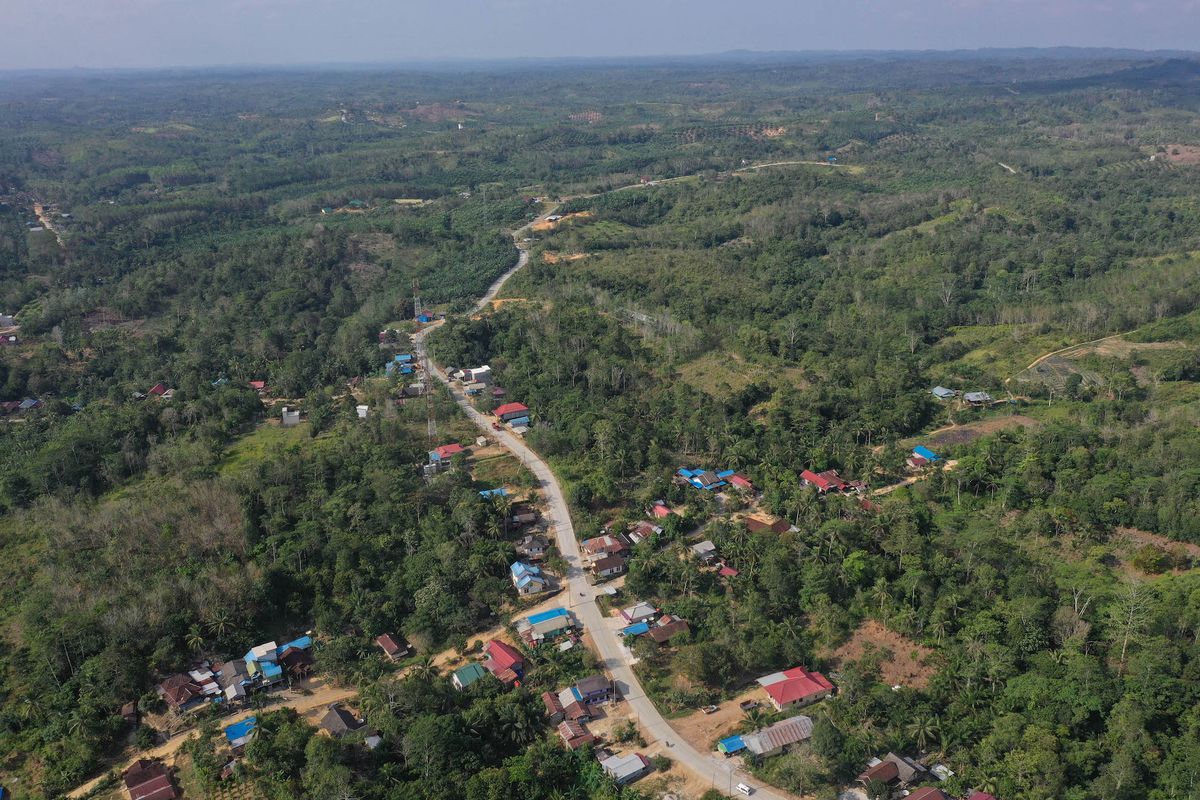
column 322, row 694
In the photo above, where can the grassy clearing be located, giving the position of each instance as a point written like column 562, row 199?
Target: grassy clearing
column 1004, row 350
column 254, row 447
column 723, row 374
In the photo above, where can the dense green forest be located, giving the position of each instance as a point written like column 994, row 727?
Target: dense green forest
column 920, row 221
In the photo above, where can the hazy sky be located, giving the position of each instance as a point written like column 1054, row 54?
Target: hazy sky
column 151, row 33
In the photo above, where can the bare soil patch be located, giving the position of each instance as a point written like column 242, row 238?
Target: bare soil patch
column 552, row 257
column 961, row 434
column 1182, row 154
column 548, row 225
column 702, row 730
column 908, row 665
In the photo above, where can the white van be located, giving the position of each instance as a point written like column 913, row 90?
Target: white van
column 744, row 789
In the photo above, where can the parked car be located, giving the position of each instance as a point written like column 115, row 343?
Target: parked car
column 744, row 789
column 709, row 709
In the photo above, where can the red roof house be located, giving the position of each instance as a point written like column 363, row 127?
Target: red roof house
column 727, row 571
column 974, row 795
column 574, row 734
column 515, row 409
column 504, row 661
column 448, row 450
column 827, row 481
column 180, row 691
column 158, row 389
column 928, row 793
column 148, row 780
column 258, row 386
column 391, row 648
column 741, row 481
column 605, row 545
column 660, row 510
column 795, row 687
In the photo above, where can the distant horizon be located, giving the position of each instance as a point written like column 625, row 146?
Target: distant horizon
column 177, row 34
column 1064, row 52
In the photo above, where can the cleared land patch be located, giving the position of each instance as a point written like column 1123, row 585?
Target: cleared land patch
column 907, row 665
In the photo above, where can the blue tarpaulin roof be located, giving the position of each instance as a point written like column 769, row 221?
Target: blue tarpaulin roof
column 731, row 745
column 493, row 493
column 547, row 615
column 724, row 473
column 271, row 670
column 925, row 453
column 240, row 730
column 635, row 630
column 404, row 358
column 303, row 643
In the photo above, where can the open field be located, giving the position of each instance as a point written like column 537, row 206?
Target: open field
column 904, row 662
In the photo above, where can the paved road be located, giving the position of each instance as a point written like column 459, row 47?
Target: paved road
column 707, row 766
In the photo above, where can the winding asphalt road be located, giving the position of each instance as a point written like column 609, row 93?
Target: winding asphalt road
column 709, row 767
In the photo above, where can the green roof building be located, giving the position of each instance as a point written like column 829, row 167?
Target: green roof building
column 465, row 676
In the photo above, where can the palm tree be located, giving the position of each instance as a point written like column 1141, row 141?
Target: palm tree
column 424, row 669
column 221, row 624
column 923, row 729
column 194, row 639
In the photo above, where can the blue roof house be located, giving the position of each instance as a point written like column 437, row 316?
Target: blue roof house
column 527, row 578
column 925, row 453
column 731, row 745
column 241, row 732
column 635, row 630
column 488, row 494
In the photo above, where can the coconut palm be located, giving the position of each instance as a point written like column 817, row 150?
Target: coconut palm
column 923, row 729
column 194, row 639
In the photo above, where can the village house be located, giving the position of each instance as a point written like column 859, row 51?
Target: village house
column 511, row 411
column 928, row 793
column 942, row 393
column 444, row 453
column 477, row 375
column 643, row 530
column 547, row 625
column 978, row 398
column 892, row 770
column 574, row 734
column 527, row 578
column 662, row 633
column 522, row 513
column 639, row 612
column 625, row 769
column 290, row 417
column 466, row 675
column 338, row 721
column 771, row 740
column 181, row 692
column 504, row 661
column 601, row 546
column 705, row 552
column 795, row 687
column 660, row 510
column 234, row 679
column 565, row 705
column 827, row 481
column 239, row 734
column 533, row 547
column 593, row 690
column 759, row 525
column 393, row 649
column 607, row 567
column 740, row 481
column 148, row 780
column 705, row 479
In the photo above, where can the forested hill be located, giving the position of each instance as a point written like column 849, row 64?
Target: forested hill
column 764, row 265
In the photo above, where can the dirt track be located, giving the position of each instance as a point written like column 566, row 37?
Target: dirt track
column 322, row 694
